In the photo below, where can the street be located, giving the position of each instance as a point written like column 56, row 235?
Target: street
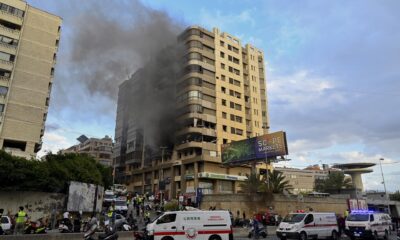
column 239, row 234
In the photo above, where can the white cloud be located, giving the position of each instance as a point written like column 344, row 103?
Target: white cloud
column 53, row 142
column 302, row 89
column 224, row 21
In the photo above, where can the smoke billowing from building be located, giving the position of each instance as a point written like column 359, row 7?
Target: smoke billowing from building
column 107, row 51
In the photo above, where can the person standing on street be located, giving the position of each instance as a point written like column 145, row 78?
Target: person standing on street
column 111, row 213
column 21, row 217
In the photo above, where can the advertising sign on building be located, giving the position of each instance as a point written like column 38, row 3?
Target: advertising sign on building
column 357, row 204
column 257, row 148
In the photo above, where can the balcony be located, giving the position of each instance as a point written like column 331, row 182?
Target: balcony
column 203, row 131
column 205, row 145
column 4, row 81
column 6, row 65
column 9, row 17
column 8, row 32
column 3, row 98
column 8, row 48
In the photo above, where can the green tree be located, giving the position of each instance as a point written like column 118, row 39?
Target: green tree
column 52, row 174
column 336, row 182
column 395, row 196
column 252, row 185
column 276, row 183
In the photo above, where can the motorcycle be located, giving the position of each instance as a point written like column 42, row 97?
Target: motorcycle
column 140, row 235
column 110, row 231
column 262, row 232
column 34, row 227
column 65, row 227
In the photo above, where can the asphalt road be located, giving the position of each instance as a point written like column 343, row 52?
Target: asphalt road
column 239, row 234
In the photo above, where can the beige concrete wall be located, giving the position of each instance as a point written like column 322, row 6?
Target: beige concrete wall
column 36, row 204
column 281, row 204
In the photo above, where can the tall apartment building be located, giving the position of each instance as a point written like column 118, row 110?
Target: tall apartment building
column 221, row 98
column 29, row 40
column 99, row 148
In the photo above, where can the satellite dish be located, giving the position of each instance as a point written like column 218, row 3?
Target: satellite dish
column 82, row 139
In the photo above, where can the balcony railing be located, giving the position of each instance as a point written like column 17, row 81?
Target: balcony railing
column 6, row 62
column 14, row 31
column 10, row 14
column 8, row 45
column 4, row 78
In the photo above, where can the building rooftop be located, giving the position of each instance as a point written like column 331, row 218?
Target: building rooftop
column 348, row 166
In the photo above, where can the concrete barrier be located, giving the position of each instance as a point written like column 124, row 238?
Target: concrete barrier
column 61, row 236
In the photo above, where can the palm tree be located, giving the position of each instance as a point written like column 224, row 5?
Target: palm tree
column 276, row 183
column 252, row 184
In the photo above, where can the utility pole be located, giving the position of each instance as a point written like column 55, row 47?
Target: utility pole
column 384, row 184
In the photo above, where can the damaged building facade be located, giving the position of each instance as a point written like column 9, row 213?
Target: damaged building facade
column 220, row 96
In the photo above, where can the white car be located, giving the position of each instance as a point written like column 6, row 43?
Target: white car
column 121, row 206
column 307, row 225
column 368, row 224
column 199, row 225
column 6, row 224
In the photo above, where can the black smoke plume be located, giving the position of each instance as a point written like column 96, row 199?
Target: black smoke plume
column 107, row 50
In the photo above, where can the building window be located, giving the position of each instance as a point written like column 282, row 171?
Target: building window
column 222, row 66
column 233, row 130
column 223, row 89
column 6, row 57
column 3, row 91
column 232, row 117
column 239, row 131
column 224, row 141
column 223, row 102
column 224, row 128
column 222, row 54
column 223, row 77
column 221, row 43
column 224, row 115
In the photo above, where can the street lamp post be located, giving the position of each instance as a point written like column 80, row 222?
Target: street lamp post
column 384, row 184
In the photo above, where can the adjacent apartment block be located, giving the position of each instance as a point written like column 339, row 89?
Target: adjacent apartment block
column 304, row 180
column 99, row 148
column 29, row 39
column 221, row 98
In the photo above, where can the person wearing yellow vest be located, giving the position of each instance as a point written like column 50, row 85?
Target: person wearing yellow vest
column 20, row 219
column 111, row 213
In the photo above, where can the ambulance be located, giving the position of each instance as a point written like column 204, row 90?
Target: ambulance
column 368, row 224
column 308, row 225
column 196, row 225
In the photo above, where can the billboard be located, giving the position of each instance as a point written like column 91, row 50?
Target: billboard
column 257, row 148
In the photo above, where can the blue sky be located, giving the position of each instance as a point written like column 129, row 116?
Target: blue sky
column 333, row 70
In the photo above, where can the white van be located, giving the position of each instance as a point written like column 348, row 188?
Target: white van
column 200, row 225
column 309, row 225
column 366, row 224
column 121, row 206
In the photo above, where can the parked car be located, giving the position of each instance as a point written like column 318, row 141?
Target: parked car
column 120, row 189
column 6, row 224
